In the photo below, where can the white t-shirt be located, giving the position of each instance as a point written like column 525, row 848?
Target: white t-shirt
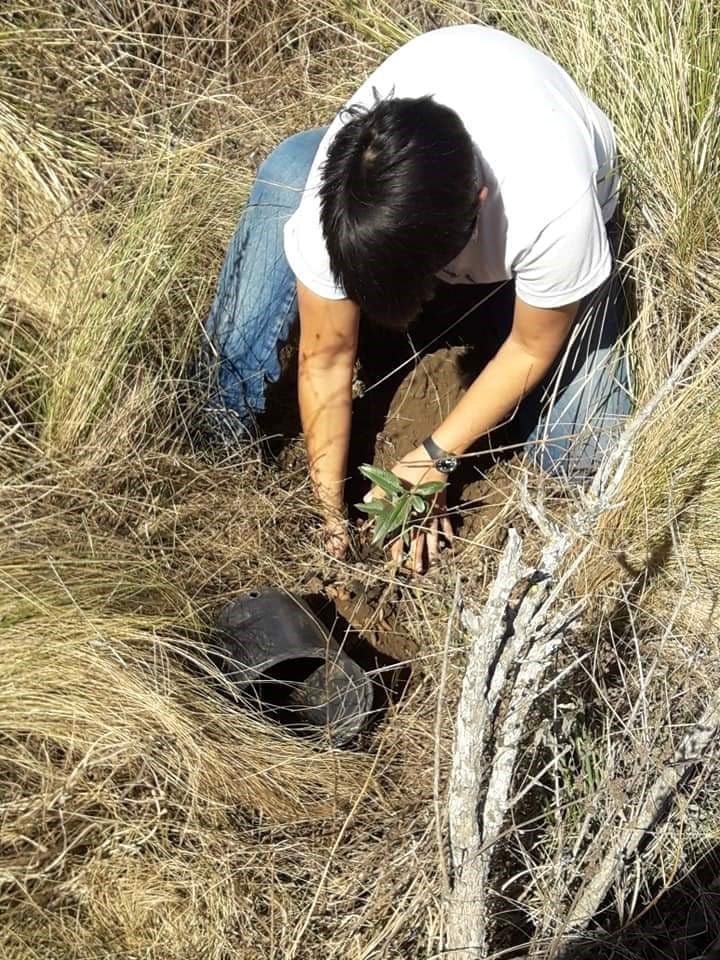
column 546, row 151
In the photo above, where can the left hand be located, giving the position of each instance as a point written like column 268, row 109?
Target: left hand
column 335, row 537
column 424, row 549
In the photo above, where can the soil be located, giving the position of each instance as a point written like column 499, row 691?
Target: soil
column 399, row 400
column 422, row 400
column 411, row 409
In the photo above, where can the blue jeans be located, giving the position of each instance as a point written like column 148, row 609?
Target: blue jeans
column 565, row 424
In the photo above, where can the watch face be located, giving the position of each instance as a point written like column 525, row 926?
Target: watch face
column 446, row 465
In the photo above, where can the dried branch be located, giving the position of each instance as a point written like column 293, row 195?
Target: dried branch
column 488, row 631
column 652, row 813
column 495, row 648
column 466, row 914
column 528, row 636
column 524, row 693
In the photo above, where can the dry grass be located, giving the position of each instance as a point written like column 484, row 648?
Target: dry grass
column 142, row 813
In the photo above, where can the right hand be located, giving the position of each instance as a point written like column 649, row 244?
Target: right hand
column 426, row 539
column 336, row 538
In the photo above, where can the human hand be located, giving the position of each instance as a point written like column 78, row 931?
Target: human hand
column 335, row 537
column 423, row 537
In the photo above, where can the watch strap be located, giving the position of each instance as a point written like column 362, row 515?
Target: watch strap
column 435, row 452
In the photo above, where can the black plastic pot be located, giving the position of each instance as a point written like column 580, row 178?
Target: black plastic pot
column 274, row 649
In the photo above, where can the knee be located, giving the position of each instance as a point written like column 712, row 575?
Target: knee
column 553, row 458
column 575, row 457
column 290, row 162
column 563, row 463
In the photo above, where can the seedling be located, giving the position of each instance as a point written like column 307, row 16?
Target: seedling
column 399, row 505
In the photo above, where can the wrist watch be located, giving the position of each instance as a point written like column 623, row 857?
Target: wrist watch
column 443, row 461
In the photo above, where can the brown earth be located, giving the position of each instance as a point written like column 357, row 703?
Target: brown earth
column 390, row 418
column 422, row 400
column 406, row 384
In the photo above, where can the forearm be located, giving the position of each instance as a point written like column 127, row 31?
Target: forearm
column 325, row 400
column 493, row 397
column 328, row 346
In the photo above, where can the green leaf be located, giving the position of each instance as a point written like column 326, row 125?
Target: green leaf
column 393, row 519
column 383, row 524
column 385, row 479
column 373, row 506
column 380, row 529
column 406, row 513
column 429, row 488
column 418, row 504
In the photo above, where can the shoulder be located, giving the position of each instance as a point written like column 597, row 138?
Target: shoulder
column 568, row 258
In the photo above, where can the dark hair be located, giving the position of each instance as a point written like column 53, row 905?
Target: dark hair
column 398, row 201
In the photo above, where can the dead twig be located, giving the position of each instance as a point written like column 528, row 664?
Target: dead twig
column 503, row 637
column 641, row 829
column 466, row 919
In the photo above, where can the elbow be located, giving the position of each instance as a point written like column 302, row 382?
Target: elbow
column 325, row 362
column 540, row 355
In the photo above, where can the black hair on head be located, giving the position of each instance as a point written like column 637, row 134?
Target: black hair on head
column 398, row 200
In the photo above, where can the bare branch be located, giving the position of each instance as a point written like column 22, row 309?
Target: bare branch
column 487, row 631
column 653, row 811
column 466, row 918
column 528, row 637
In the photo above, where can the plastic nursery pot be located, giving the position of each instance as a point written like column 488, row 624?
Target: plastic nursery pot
column 273, row 648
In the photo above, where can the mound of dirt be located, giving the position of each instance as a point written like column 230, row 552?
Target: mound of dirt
column 423, row 398
column 395, row 417
column 391, row 417
column 400, row 399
